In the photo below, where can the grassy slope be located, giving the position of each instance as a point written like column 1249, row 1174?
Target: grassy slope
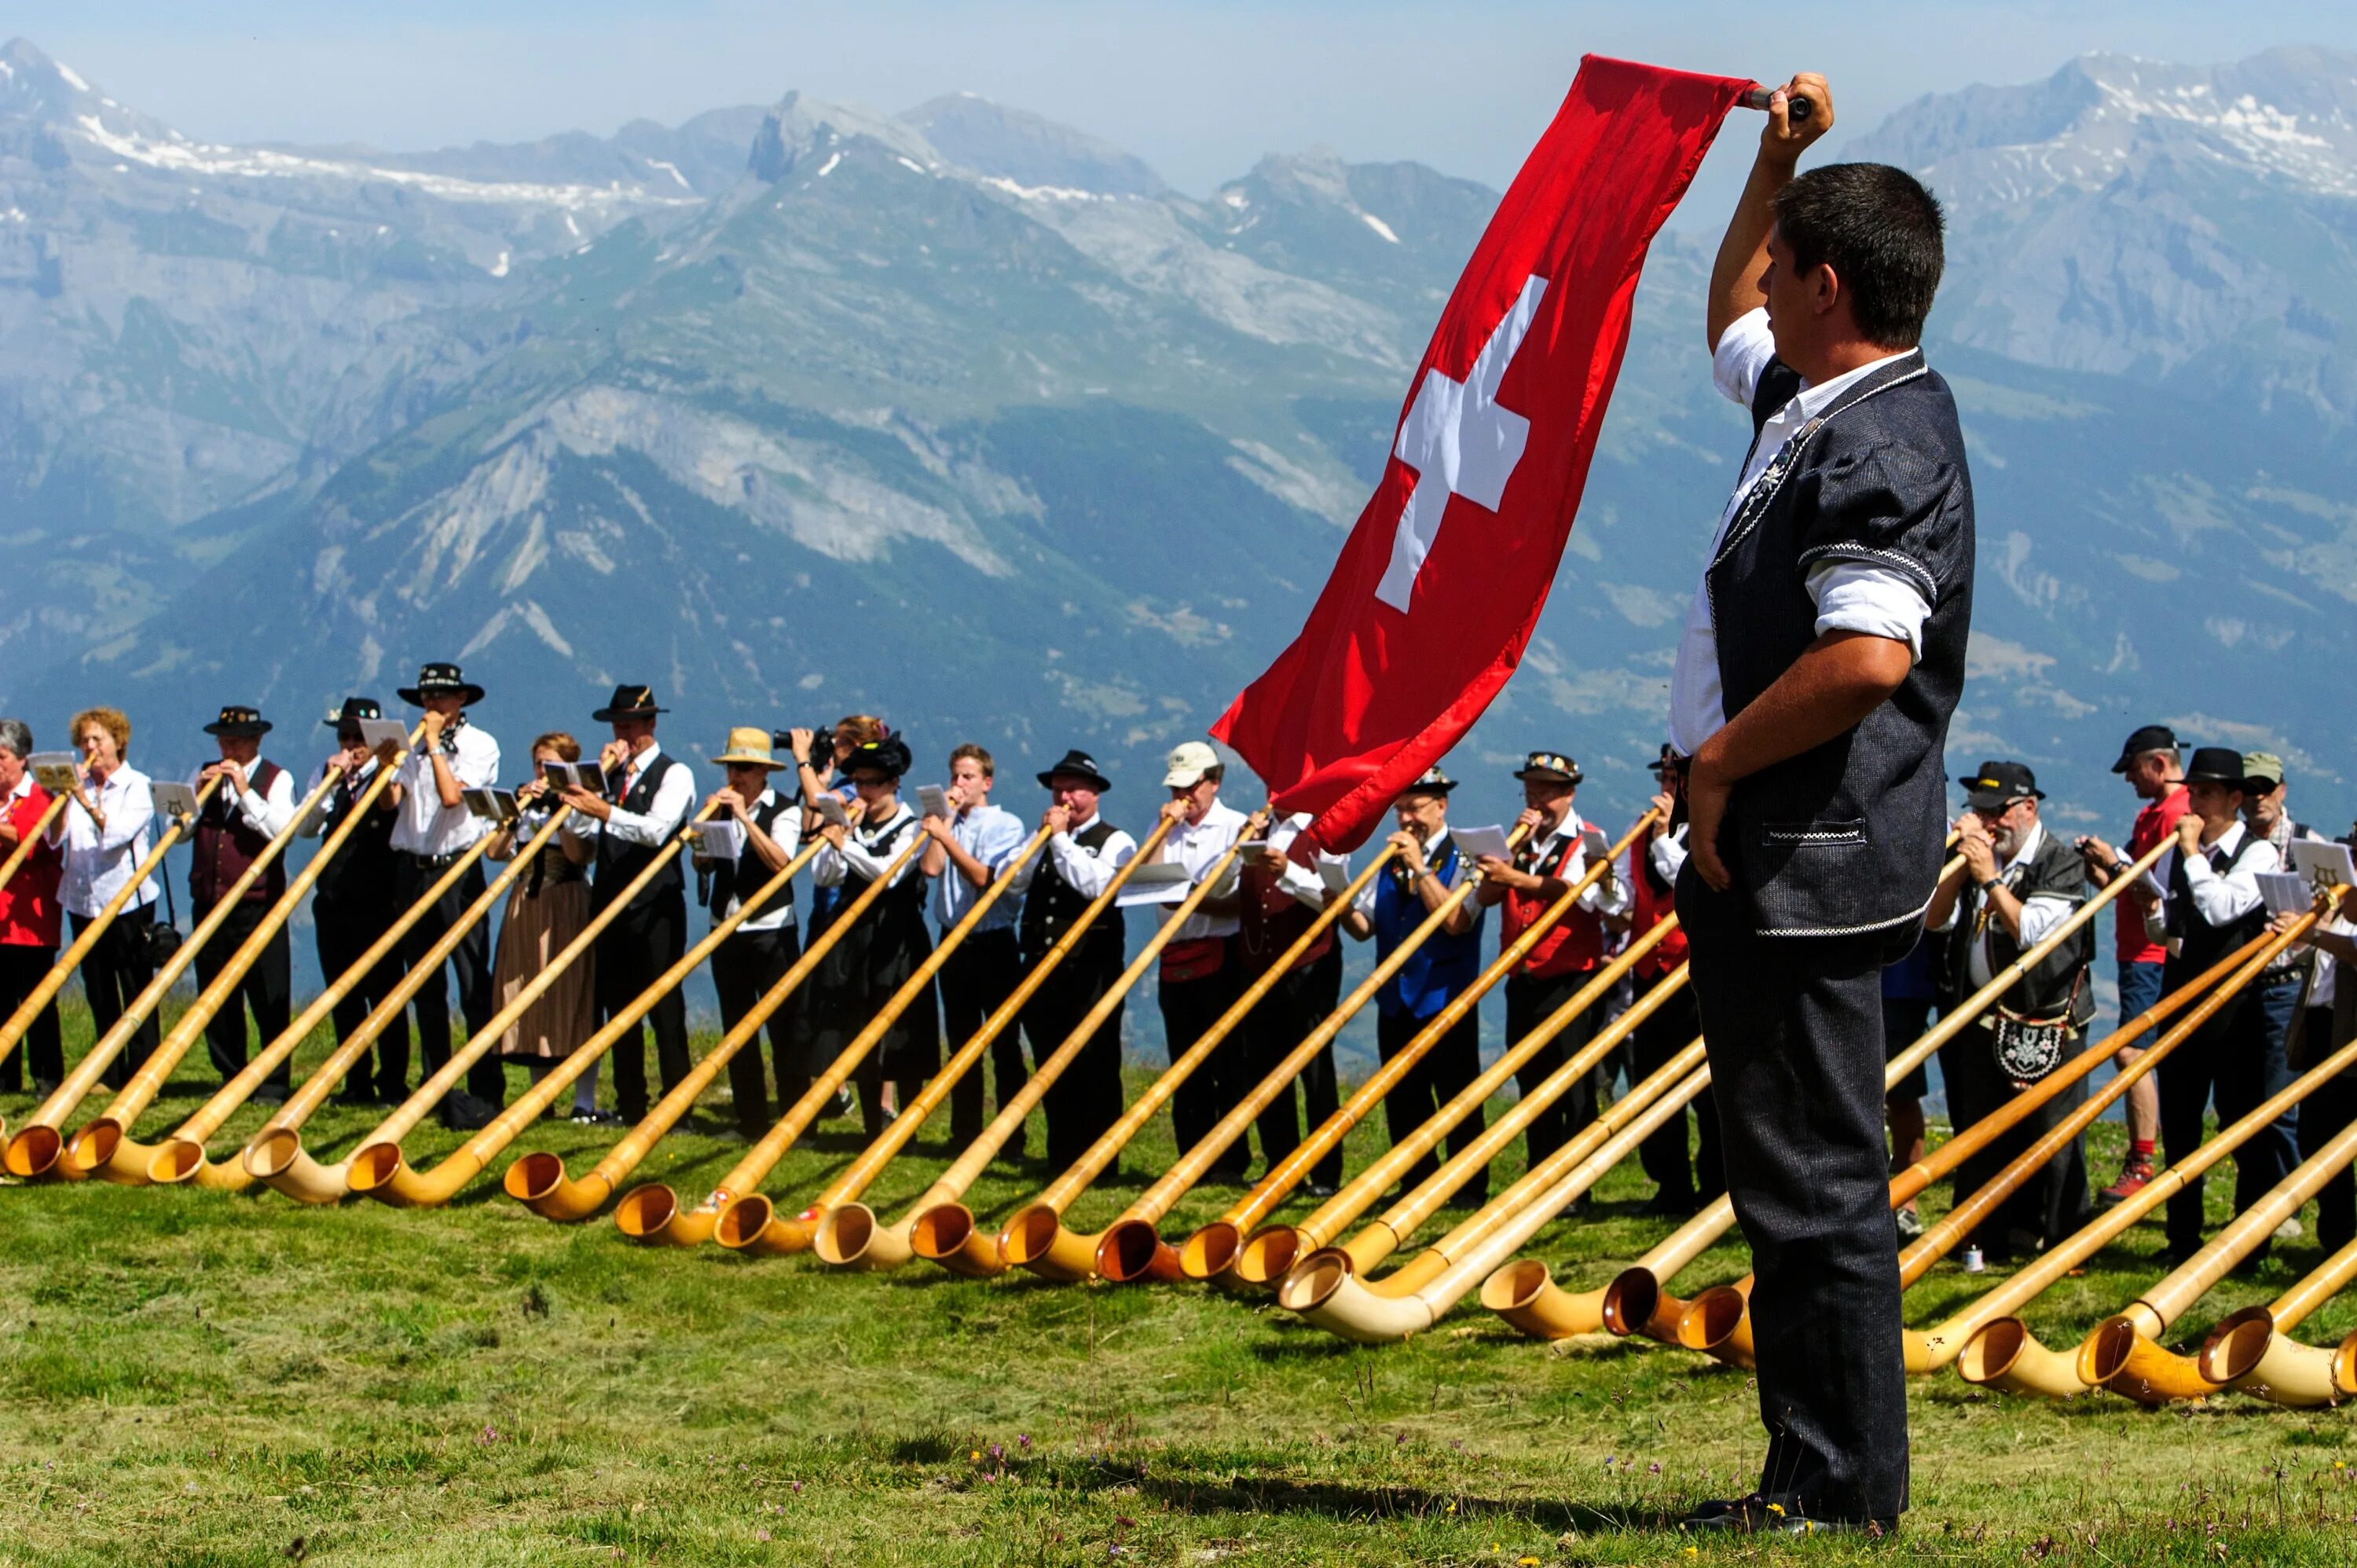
column 198, row 1379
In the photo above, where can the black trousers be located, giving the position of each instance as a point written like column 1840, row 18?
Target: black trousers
column 2239, row 1059
column 1532, row 1000
column 1454, row 1061
column 1682, row 1180
column 343, row 936
column 265, row 990
column 113, row 974
column 2324, row 1112
column 22, row 969
column 1295, row 1005
column 744, row 969
column 470, row 965
column 976, row 980
column 1085, row 1100
column 632, row 953
column 1794, row 1030
column 2050, row 1204
column 1210, row 1092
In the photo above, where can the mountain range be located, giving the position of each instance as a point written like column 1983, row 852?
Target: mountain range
column 966, row 418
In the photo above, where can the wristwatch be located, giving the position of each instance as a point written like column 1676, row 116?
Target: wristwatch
column 1992, row 881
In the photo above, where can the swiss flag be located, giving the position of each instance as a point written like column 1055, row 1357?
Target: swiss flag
column 1435, row 595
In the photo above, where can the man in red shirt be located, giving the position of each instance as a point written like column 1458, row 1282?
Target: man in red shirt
column 2149, row 763
column 28, row 914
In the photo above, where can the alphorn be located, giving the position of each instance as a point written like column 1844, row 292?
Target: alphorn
column 36, row 1149
column 275, row 1155
column 381, row 1172
column 1322, row 1290
column 538, row 1180
column 2253, row 1349
column 1211, row 1253
column 182, row 1158
column 2017, row 1359
column 1274, row 1248
column 1634, row 1302
column 62, row 971
column 846, row 1235
column 104, row 1145
column 25, row 841
column 650, row 1213
column 1131, row 1247
column 1718, row 1322
column 945, row 1232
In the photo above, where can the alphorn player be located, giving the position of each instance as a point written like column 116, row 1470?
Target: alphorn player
column 434, row 829
column 29, row 923
column 1816, row 670
column 648, row 794
column 2017, row 884
column 873, row 958
column 756, row 954
column 1680, row 1181
column 1083, row 853
column 104, row 836
column 352, row 904
column 253, row 804
column 1424, row 869
column 2295, row 991
column 1281, row 899
column 1557, row 848
column 972, row 847
column 1198, row 980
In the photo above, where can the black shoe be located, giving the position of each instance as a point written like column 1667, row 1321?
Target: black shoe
column 271, row 1094
column 45, row 1087
column 463, row 1113
column 1666, row 1206
column 357, row 1094
column 1755, row 1515
column 1319, row 1190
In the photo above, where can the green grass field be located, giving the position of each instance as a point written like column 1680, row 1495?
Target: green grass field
column 191, row 1377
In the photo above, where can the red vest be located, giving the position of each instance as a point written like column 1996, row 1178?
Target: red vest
column 1654, row 901
column 226, row 844
column 1271, row 920
column 29, row 905
column 1575, row 944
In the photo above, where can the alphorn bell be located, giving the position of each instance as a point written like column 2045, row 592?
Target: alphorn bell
column 378, row 1170
column 538, row 1180
column 1274, row 1248
column 2253, row 1349
column 751, row 1223
column 181, row 1157
column 1211, row 1253
column 1131, row 1247
column 1719, row 1319
column 104, row 1147
column 34, row 1150
column 650, row 1213
column 847, row 1236
column 25, row 842
column 62, row 971
column 276, row 1158
column 945, row 1231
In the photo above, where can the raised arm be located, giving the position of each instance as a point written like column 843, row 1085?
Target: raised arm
column 1736, row 287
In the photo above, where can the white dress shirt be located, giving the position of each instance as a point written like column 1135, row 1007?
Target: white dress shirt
column 1611, row 902
column 1198, row 846
column 868, row 848
column 425, row 825
column 674, row 803
column 1849, row 597
column 785, row 831
column 97, row 864
column 1303, row 883
column 1668, row 853
column 994, row 837
column 2218, row 900
column 266, row 812
column 1086, row 872
column 2040, row 913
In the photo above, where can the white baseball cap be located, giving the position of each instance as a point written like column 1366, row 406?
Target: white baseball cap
column 1188, row 762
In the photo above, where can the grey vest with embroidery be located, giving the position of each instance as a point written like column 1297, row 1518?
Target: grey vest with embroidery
column 1846, row 837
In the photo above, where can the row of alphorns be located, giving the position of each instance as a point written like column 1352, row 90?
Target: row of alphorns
column 1317, row 1266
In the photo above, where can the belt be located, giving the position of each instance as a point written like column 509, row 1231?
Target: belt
column 431, row 862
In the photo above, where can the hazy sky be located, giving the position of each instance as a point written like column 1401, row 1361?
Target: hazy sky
column 1200, row 91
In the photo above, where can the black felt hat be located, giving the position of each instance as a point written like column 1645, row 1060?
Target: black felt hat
column 2216, row 765
column 1551, row 767
column 888, row 757
column 434, row 679
column 629, row 703
column 2000, row 784
column 1077, row 763
column 1665, row 764
column 355, row 710
column 1431, row 781
column 237, row 719
column 2151, row 738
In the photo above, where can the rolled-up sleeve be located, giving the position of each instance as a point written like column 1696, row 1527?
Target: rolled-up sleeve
column 1090, row 874
column 1743, row 352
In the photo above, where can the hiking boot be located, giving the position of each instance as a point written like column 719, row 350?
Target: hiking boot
column 2134, row 1174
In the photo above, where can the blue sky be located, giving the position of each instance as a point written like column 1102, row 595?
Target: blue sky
column 1200, row 91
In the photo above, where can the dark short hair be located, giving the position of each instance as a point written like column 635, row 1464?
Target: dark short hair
column 1880, row 231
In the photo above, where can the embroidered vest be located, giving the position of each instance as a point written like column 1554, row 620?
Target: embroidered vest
column 226, row 843
column 1051, row 905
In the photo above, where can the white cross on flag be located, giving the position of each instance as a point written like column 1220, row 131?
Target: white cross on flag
column 1437, row 592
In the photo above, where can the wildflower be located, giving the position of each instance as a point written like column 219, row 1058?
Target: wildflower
column 1776, row 1508
column 996, row 1452
column 1654, row 1469
column 1023, row 1440
column 798, row 1488
column 975, row 1456
column 1527, row 1562
column 1693, row 1551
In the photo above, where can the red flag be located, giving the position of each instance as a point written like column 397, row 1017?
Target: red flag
column 1437, row 592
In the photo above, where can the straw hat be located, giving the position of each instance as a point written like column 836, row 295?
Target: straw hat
column 750, row 748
